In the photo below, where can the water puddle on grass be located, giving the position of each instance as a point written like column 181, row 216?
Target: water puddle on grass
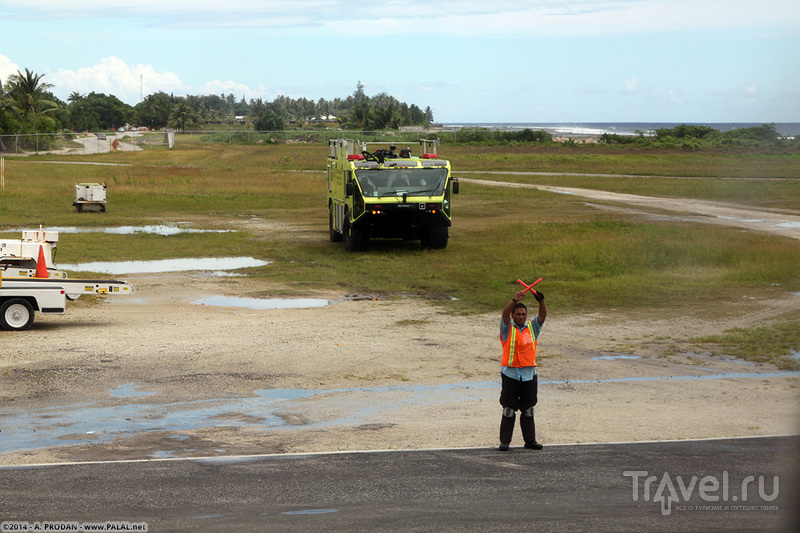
column 166, row 265
column 774, row 224
column 153, row 229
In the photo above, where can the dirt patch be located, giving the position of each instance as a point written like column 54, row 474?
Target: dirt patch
column 166, row 377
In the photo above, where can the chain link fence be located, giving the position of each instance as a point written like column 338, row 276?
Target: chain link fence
column 102, row 142
column 135, row 140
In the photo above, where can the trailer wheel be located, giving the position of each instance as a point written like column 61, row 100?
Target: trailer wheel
column 16, row 314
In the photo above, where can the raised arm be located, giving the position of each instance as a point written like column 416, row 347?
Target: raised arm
column 542, row 307
column 509, row 308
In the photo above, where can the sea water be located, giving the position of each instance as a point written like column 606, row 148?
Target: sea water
column 595, row 129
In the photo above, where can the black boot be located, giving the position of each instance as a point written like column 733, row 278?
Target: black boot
column 528, row 427
column 507, row 428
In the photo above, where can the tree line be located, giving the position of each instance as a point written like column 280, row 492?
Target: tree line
column 699, row 137
column 28, row 106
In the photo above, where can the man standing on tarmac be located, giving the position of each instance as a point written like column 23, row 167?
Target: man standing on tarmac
column 520, row 382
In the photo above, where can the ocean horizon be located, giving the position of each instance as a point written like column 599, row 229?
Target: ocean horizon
column 591, row 129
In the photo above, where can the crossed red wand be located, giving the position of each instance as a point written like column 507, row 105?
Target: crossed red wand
column 529, row 287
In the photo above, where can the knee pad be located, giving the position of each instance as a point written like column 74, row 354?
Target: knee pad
column 528, row 412
column 508, row 412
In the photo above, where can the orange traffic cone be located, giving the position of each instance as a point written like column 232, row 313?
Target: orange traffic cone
column 41, row 265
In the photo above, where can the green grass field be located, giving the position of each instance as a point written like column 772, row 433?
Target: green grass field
column 590, row 260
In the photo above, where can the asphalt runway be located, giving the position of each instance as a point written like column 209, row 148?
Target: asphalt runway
column 748, row 484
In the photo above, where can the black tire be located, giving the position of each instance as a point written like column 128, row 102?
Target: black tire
column 16, row 314
column 355, row 237
column 335, row 235
column 435, row 237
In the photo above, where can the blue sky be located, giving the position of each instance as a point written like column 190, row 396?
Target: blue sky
column 470, row 61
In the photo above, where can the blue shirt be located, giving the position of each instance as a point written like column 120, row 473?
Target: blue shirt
column 524, row 373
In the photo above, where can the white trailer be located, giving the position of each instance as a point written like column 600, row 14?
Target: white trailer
column 20, row 297
column 90, row 197
column 30, row 281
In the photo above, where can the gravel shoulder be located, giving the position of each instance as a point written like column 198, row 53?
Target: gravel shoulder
column 174, row 378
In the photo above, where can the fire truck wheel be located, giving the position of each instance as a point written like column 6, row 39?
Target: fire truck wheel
column 16, row 314
column 354, row 238
column 335, row 235
column 435, row 237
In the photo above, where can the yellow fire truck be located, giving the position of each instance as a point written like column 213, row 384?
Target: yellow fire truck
column 388, row 194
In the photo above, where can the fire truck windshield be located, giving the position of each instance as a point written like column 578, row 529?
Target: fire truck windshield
column 400, row 181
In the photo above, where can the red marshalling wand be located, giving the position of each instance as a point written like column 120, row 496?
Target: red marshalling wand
column 529, row 287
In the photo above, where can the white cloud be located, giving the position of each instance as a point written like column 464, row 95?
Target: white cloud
column 632, row 85
column 7, row 68
column 456, row 17
column 226, row 87
column 113, row 76
column 752, row 90
column 675, row 98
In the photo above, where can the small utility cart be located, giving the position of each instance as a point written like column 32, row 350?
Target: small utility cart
column 90, row 197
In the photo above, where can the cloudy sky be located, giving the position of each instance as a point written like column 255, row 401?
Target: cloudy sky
column 469, row 60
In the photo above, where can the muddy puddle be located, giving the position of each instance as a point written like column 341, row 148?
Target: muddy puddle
column 276, row 303
column 258, row 303
column 268, row 409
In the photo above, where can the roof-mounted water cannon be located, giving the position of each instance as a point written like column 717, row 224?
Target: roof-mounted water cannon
column 381, row 154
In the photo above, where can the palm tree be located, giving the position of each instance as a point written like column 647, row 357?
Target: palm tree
column 2, row 105
column 27, row 97
column 182, row 116
column 257, row 108
column 76, row 116
column 75, row 97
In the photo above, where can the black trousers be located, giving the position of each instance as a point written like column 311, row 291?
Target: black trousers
column 519, row 395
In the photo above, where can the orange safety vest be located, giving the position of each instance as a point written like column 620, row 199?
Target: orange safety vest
column 519, row 349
